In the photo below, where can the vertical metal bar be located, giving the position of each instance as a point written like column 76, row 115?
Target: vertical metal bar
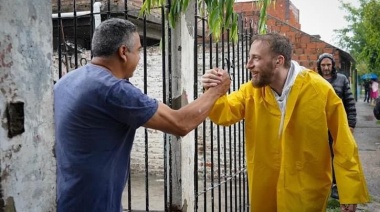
column 218, row 140
column 164, row 98
column 237, row 156
column 170, row 104
column 129, row 177
column 244, row 49
column 212, row 166
column 248, row 77
column 240, row 58
column 229, row 128
column 249, row 37
column 129, row 189
column 224, row 139
column 126, row 10
column 234, row 133
column 245, row 76
column 212, row 143
column 92, row 22
column 59, row 41
column 204, row 123
column 196, row 96
column 109, row 9
column 75, row 36
column 66, row 49
column 146, row 130
column 244, row 57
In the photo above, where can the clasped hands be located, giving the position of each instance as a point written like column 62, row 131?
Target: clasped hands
column 216, row 78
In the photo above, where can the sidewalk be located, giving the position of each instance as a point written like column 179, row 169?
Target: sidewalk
column 367, row 135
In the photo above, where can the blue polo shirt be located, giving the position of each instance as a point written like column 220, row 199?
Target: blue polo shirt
column 96, row 117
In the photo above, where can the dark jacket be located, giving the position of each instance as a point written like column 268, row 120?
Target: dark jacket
column 342, row 89
column 376, row 110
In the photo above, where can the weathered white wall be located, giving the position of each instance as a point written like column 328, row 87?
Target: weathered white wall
column 28, row 169
column 187, row 147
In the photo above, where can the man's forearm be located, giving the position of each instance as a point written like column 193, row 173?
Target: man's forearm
column 196, row 112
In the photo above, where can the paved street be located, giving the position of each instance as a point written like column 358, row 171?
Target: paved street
column 367, row 134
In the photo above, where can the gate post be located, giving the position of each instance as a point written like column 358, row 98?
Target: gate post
column 28, row 170
column 182, row 149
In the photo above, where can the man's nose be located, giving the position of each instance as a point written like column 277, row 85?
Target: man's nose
column 249, row 64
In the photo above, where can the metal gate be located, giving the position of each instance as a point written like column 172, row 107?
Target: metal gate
column 220, row 178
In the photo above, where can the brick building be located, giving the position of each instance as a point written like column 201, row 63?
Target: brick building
column 283, row 17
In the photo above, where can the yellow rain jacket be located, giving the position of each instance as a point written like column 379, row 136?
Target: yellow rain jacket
column 289, row 163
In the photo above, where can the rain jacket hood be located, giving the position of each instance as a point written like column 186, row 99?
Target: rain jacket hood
column 287, row 150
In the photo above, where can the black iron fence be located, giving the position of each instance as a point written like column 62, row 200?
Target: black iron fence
column 220, row 178
column 223, row 177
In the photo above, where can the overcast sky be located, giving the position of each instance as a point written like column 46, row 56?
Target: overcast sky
column 321, row 17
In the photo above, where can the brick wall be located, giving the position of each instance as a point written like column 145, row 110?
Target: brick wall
column 277, row 9
column 306, row 48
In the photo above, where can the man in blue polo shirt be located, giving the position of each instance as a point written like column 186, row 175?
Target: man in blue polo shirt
column 97, row 111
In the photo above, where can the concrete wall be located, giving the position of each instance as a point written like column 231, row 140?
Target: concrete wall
column 27, row 163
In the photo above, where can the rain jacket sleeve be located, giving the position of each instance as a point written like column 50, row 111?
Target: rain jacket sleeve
column 231, row 106
column 351, row 184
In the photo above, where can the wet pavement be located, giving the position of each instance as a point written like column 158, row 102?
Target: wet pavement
column 367, row 135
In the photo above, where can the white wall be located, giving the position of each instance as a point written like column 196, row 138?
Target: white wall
column 27, row 163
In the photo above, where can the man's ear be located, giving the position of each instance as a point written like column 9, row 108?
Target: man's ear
column 280, row 59
column 122, row 52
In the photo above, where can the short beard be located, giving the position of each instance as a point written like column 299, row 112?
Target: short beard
column 265, row 77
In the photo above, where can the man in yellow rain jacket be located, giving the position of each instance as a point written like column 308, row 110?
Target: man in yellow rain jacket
column 288, row 111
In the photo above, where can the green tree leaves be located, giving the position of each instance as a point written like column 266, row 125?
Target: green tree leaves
column 361, row 37
column 219, row 13
column 263, row 15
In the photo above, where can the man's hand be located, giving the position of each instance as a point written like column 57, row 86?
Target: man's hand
column 222, row 87
column 348, row 207
column 352, row 130
column 212, row 78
